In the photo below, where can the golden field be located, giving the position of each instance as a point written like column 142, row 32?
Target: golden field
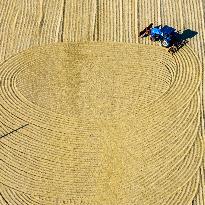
column 93, row 115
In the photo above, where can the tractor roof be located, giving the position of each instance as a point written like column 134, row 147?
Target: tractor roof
column 156, row 31
column 167, row 29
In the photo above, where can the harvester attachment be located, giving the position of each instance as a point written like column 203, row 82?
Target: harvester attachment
column 146, row 31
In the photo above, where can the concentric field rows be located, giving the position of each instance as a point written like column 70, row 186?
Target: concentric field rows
column 16, row 197
column 93, row 20
column 59, row 155
column 35, row 23
column 180, row 14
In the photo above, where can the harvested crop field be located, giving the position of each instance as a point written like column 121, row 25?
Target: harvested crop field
column 91, row 114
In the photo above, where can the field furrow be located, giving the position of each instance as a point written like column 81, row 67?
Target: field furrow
column 54, row 109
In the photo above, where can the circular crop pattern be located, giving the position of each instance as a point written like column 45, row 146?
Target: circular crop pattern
column 100, row 123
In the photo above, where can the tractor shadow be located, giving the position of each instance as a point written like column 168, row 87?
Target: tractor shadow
column 187, row 34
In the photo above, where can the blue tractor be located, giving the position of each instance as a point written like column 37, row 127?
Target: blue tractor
column 166, row 35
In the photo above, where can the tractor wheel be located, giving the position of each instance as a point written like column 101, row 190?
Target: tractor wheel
column 175, row 49
column 164, row 43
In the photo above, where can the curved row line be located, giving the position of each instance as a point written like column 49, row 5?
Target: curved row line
column 158, row 114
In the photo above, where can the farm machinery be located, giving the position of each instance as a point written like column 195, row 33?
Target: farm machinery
column 166, row 35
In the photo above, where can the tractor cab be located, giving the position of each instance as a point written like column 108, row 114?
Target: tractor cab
column 167, row 30
column 163, row 34
column 155, row 34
